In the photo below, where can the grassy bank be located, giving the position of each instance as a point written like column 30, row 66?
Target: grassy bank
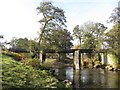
column 18, row 75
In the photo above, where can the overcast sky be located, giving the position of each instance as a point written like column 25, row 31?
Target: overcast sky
column 18, row 18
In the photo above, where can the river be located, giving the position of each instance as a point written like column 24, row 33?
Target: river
column 89, row 78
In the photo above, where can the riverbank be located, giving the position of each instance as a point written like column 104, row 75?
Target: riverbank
column 50, row 63
column 17, row 75
column 54, row 63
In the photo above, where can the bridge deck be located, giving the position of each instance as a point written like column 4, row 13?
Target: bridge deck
column 62, row 51
column 72, row 50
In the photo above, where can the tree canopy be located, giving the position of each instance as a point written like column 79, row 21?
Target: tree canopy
column 24, row 43
column 115, row 16
column 90, row 35
column 53, row 32
column 112, row 37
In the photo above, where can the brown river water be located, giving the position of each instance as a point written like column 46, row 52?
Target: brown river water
column 89, row 78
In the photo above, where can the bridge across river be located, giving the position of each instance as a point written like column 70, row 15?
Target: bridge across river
column 76, row 54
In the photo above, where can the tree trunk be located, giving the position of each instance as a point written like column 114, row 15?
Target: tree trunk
column 39, row 42
column 80, row 41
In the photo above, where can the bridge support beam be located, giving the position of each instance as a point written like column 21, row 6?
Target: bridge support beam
column 104, row 58
column 42, row 56
column 77, row 60
column 76, row 79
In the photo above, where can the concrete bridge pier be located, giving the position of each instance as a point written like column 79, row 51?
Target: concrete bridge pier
column 42, row 56
column 104, row 58
column 77, row 60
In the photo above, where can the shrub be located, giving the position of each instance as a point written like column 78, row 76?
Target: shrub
column 25, row 61
column 4, row 52
column 47, row 64
column 114, row 58
column 87, row 59
column 16, row 56
column 26, row 55
column 97, row 63
column 33, row 62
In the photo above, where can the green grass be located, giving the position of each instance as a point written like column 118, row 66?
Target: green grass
column 18, row 75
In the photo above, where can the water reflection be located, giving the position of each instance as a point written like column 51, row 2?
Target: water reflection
column 90, row 78
column 76, row 79
column 69, row 74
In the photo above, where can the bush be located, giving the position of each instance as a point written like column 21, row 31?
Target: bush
column 47, row 64
column 62, row 85
column 97, row 63
column 26, row 55
column 34, row 62
column 16, row 56
column 114, row 58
